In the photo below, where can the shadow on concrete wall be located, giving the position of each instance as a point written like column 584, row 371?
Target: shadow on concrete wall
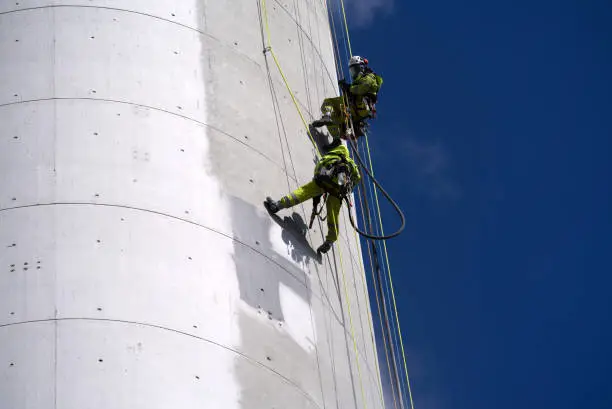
column 262, row 270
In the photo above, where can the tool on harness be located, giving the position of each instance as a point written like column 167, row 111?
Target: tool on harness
column 315, row 212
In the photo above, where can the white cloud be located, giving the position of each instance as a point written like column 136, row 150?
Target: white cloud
column 429, row 166
column 363, row 12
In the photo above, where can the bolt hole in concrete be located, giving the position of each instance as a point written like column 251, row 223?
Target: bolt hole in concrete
column 15, row 137
column 12, row 364
column 256, row 242
column 268, row 358
column 195, row 326
column 95, row 133
column 251, row 180
column 100, row 360
column 99, row 309
column 197, row 377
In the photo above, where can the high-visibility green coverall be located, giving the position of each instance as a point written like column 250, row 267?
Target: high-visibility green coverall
column 312, row 189
column 362, row 86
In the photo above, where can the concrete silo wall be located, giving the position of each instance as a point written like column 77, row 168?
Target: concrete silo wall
column 138, row 269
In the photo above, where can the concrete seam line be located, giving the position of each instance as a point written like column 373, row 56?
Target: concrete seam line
column 52, row 6
column 319, row 297
column 176, row 331
column 188, row 118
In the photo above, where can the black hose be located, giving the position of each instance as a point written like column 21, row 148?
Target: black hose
column 384, row 192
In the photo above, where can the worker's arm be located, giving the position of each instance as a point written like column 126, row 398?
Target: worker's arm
column 355, row 175
column 364, row 85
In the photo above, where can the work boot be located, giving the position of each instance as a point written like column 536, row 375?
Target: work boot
column 324, row 248
column 324, row 121
column 272, row 206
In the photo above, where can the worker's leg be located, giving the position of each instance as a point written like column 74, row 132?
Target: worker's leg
column 360, row 110
column 333, row 214
column 338, row 111
column 333, row 113
column 301, row 194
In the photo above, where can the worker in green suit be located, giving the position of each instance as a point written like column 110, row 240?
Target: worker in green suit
column 335, row 175
column 362, row 95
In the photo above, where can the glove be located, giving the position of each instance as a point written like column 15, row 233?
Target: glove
column 324, row 248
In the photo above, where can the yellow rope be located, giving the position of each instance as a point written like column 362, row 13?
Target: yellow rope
column 295, row 102
column 348, row 38
column 348, row 303
column 370, row 320
column 399, row 329
column 280, row 70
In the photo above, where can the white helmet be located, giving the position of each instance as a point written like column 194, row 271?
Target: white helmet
column 357, row 60
column 356, row 64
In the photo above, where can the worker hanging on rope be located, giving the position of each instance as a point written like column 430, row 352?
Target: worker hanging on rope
column 362, row 95
column 334, row 177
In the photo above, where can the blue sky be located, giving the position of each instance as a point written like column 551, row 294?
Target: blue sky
column 494, row 133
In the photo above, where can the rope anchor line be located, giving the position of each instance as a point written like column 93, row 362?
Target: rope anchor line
column 269, row 49
column 393, row 298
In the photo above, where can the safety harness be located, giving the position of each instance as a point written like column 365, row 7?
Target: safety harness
column 334, row 176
